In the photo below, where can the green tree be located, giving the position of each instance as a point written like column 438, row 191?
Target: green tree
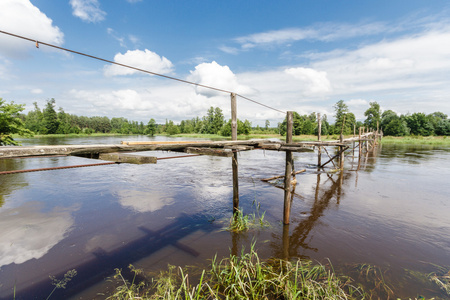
column 419, row 124
column 393, row 125
column 34, row 120
column 11, row 123
column 151, row 127
column 242, row 128
column 344, row 119
column 64, row 122
column 51, row 121
column 439, row 122
column 172, row 128
column 218, row 120
column 373, row 115
column 213, row 121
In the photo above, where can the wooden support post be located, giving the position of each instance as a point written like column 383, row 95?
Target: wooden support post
column 234, row 165
column 233, row 117
column 367, row 141
column 376, row 134
column 286, row 242
column 331, row 158
column 354, row 134
column 234, row 159
column 359, row 150
column 341, row 156
column 289, row 167
column 319, row 138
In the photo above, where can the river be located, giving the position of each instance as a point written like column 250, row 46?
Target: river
column 392, row 214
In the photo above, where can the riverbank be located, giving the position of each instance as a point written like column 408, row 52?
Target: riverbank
column 413, row 140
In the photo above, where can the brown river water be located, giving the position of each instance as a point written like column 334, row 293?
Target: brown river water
column 392, row 215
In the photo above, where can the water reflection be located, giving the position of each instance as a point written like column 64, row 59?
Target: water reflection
column 142, row 201
column 10, row 183
column 394, row 213
column 28, row 233
column 296, row 243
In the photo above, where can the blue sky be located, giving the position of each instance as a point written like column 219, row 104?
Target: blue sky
column 292, row 55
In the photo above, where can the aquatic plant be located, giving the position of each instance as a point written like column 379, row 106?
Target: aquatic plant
column 245, row 277
column 61, row 283
column 240, row 222
column 372, row 278
column 442, row 279
column 129, row 290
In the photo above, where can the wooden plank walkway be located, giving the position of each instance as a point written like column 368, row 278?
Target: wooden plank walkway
column 94, row 150
column 199, row 147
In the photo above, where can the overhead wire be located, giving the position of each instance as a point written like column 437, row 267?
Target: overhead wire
column 137, row 69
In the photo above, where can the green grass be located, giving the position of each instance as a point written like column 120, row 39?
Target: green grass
column 242, row 277
column 240, row 222
column 416, row 140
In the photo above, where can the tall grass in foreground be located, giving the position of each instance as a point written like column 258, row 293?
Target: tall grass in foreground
column 244, row 277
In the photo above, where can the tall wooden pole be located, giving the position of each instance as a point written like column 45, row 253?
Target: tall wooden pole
column 233, row 117
column 288, row 172
column 341, row 151
column 319, row 138
column 234, row 159
column 359, row 150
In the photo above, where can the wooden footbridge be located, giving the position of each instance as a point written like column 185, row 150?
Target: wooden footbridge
column 123, row 153
column 118, row 153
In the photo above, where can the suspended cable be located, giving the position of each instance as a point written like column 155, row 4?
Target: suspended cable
column 134, row 68
column 248, row 99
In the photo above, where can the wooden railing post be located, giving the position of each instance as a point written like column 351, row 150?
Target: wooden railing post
column 319, row 138
column 234, row 159
column 359, row 149
column 288, row 172
column 233, row 117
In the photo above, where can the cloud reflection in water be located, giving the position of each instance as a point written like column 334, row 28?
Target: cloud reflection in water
column 142, row 201
column 29, row 233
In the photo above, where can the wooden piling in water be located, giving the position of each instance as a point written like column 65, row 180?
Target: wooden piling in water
column 319, row 138
column 234, row 159
column 341, row 152
column 289, row 167
column 359, row 149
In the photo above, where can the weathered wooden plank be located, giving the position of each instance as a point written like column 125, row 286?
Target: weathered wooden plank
column 16, row 151
column 295, row 149
column 195, row 143
column 287, row 147
column 239, row 147
column 128, row 158
column 209, row 151
column 95, row 150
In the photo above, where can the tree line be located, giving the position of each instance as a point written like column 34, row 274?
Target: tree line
column 50, row 120
column 389, row 122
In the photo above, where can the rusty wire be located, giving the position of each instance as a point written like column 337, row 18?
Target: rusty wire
column 55, row 168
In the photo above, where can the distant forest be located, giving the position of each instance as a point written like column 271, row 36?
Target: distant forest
column 51, row 121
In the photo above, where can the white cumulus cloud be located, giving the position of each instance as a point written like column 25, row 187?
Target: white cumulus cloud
column 87, row 10
column 21, row 17
column 146, row 60
column 217, row 76
column 316, row 82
